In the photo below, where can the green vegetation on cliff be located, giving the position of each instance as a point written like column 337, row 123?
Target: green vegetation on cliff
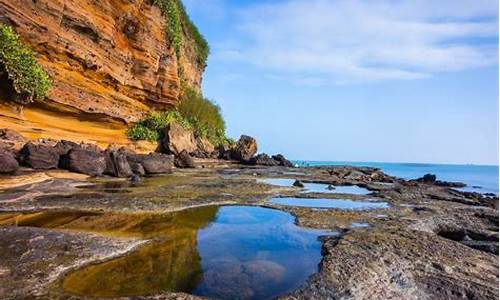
column 178, row 24
column 194, row 112
column 29, row 80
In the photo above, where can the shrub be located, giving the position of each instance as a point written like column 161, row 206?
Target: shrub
column 150, row 127
column 29, row 80
column 178, row 22
column 194, row 112
column 205, row 116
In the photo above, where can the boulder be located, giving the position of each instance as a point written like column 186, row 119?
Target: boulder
column 39, row 156
column 282, row 161
column 184, row 160
column 205, row 146
column 177, row 138
column 245, row 149
column 153, row 163
column 263, row 160
column 84, row 161
column 11, row 135
column 299, row 184
column 136, row 168
column 63, row 147
column 8, row 163
column 11, row 141
column 117, row 164
column 223, row 152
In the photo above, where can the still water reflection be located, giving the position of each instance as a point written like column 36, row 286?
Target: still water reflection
column 229, row 252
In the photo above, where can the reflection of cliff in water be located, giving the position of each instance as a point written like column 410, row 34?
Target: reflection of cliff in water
column 170, row 262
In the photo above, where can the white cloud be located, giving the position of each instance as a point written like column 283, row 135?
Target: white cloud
column 338, row 41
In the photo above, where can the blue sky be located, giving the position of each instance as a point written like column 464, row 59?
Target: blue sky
column 352, row 80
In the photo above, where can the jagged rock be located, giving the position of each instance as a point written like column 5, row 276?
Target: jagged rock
column 8, row 163
column 283, row 161
column 299, row 184
column 177, row 138
column 263, row 160
column 84, row 161
column 117, row 164
column 245, row 149
column 153, row 163
column 184, row 160
column 39, row 156
column 205, row 146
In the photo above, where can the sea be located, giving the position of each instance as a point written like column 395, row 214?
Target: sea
column 478, row 178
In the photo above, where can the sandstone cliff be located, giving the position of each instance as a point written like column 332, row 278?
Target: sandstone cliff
column 110, row 63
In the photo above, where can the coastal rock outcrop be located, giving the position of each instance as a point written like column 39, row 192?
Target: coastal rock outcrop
column 276, row 160
column 263, row 160
column 432, row 179
column 117, row 164
column 282, row 161
column 84, row 161
column 110, row 63
column 245, row 149
column 184, row 160
column 153, row 163
column 8, row 163
column 177, row 139
column 39, row 156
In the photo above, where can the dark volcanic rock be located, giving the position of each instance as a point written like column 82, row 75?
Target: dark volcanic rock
column 117, row 164
column 153, row 163
column 39, row 156
column 263, row 160
column 283, row 161
column 8, row 163
column 245, row 149
column 83, row 161
column 427, row 178
column 184, row 160
column 431, row 179
column 298, row 183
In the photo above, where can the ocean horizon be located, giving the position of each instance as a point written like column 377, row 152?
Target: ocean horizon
column 478, row 178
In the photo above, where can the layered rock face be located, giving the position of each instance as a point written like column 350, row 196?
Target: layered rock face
column 109, row 61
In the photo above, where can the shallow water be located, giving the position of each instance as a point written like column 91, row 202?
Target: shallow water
column 318, row 187
column 343, row 204
column 473, row 175
column 228, row 252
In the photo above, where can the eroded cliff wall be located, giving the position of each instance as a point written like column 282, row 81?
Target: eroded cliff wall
column 110, row 63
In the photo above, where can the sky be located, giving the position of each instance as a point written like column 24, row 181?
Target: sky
column 353, row 80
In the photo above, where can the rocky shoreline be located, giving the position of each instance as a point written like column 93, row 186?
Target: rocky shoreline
column 433, row 241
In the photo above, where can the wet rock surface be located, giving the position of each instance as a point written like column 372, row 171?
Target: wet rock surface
column 432, row 243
